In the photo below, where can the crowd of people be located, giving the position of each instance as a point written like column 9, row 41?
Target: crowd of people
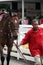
column 27, row 19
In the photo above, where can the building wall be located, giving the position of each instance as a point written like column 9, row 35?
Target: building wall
column 42, row 8
column 29, row 6
column 7, row 3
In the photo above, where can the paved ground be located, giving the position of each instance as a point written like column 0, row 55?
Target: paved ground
column 14, row 61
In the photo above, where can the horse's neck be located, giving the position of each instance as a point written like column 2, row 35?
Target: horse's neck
column 5, row 22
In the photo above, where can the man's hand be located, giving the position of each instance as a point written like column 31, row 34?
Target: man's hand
column 18, row 45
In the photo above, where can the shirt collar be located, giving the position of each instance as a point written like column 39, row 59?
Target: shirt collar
column 35, row 31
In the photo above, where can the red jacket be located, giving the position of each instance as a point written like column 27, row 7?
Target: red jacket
column 35, row 40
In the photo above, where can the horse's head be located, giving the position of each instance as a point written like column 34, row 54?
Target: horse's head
column 9, row 26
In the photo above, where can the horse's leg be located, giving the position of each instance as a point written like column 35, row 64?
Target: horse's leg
column 2, row 58
column 9, row 50
column 2, row 55
column 8, row 57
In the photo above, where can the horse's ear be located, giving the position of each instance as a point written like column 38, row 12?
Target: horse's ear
column 1, row 16
column 10, row 13
column 5, row 16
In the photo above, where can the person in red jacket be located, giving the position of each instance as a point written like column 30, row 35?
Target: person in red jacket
column 35, row 39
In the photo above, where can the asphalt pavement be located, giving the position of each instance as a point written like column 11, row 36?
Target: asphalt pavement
column 14, row 61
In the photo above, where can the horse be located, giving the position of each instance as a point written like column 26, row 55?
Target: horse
column 7, row 31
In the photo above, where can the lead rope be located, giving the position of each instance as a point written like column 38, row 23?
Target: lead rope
column 21, row 54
